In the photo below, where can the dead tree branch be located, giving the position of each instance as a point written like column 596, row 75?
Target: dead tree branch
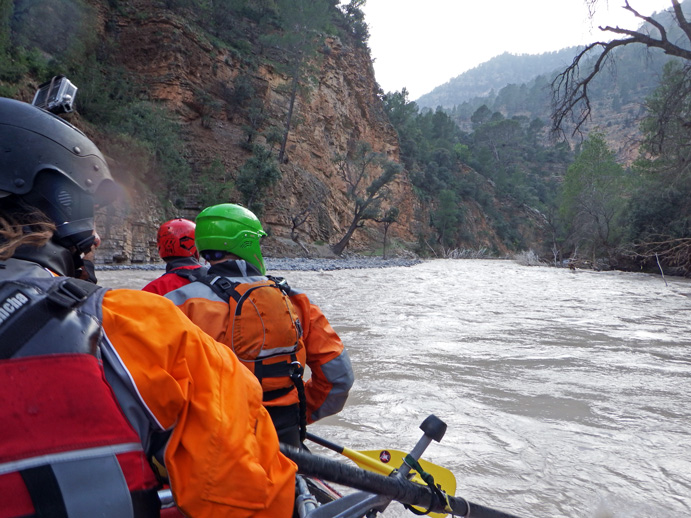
column 675, row 252
column 570, row 91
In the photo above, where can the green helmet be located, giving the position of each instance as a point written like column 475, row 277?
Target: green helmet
column 231, row 228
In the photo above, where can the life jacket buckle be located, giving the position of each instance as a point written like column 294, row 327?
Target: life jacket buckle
column 223, row 283
column 295, row 370
column 68, row 294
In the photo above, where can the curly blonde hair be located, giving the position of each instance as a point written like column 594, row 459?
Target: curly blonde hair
column 21, row 224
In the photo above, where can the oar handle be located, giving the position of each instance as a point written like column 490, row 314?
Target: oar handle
column 395, row 488
column 323, row 442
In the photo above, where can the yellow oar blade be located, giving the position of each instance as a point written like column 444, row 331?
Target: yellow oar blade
column 385, row 461
column 442, row 476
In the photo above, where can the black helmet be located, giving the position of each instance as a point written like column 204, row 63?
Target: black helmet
column 53, row 166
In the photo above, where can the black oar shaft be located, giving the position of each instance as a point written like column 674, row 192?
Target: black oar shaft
column 395, row 488
column 323, row 442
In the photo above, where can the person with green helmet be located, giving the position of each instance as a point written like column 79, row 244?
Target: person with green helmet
column 273, row 329
column 230, row 229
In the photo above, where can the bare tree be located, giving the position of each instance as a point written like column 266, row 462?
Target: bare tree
column 297, row 220
column 390, row 217
column 570, row 90
column 357, row 169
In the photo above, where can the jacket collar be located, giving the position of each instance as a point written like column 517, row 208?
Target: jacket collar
column 52, row 256
column 182, row 262
column 235, row 268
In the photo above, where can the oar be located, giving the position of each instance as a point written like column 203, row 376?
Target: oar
column 394, row 488
column 371, row 460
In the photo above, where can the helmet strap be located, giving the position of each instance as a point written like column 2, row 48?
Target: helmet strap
column 84, row 246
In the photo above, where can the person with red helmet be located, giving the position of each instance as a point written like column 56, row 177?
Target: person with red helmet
column 175, row 240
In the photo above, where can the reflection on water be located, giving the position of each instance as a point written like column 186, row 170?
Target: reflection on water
column 565, row 393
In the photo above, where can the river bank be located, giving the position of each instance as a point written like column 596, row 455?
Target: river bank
column 136, row 276
column 293, row 264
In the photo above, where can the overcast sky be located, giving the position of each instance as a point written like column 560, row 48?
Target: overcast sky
column 421, row 44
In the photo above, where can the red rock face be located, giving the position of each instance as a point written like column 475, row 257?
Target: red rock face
column 194, row 76
column 184, row 70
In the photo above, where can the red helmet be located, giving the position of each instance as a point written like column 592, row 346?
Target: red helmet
column 176, row 239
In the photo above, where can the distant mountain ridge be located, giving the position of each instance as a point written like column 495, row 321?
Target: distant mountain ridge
column 495, row 74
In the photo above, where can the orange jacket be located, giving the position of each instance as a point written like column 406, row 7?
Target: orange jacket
column 331, row 372
column 222, row 456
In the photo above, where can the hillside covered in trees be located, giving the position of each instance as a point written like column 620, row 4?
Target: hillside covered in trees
column 274, row 104
column 485, row 80
column 612, row 199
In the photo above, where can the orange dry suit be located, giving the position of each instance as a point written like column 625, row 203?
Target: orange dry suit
column 101, row 379
column 318, row 347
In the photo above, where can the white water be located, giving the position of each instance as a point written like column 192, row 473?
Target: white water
column 565, row 393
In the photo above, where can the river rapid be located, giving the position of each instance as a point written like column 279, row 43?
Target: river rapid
column 566, row 393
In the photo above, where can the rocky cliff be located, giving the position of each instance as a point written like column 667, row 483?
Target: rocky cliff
column 183, row 68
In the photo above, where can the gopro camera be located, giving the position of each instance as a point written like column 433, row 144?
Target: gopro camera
column 56, row 96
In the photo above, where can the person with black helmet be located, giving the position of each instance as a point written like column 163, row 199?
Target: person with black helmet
column 275, row 330
column 175, row 242
column 94, row 382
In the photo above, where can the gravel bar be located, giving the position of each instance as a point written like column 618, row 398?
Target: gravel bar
column 293, row 264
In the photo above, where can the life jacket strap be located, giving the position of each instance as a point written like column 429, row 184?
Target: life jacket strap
column 294, row 371
column 46, row 496
column 191, row 274
column 270, row 395
column 302, row 399
column 45, row 492
column 221, row 286
column 281, row 283
column 280, row 370
column 146, row 503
